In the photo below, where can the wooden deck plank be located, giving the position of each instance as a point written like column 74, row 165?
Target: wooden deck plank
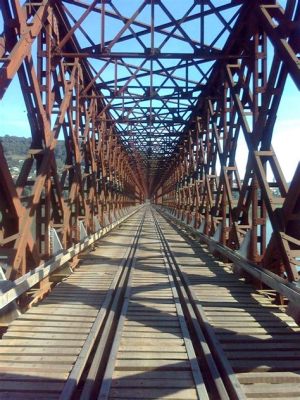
column 271, row 391
column 261, row 342
column 26, row 396
column 143, row 382
column 38, row 387
column 185, row 375
column 39, row 348
column 151, row 355
column 144, row 393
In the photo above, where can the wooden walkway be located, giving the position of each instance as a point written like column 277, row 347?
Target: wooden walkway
column 152, row 355
column 261, row 342
column 40, row 347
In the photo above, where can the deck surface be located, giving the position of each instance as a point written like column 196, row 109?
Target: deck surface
column 261, row 342
column 152, row 356
column 40, row 348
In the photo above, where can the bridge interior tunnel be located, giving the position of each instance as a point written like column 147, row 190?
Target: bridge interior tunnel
column 160, row 101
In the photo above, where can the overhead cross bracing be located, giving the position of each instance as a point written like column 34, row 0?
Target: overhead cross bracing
column 152, row 100
column 188, row 105
column 150, row 61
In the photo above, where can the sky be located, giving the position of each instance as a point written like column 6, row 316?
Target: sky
column 286, row 137
column 286, row 134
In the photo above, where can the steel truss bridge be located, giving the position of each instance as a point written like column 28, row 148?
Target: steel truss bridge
column 165, row 111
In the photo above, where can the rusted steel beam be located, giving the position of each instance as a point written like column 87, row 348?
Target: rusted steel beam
column 203, row 185
column 97, row 181
column 22, row 48
column 284, row 34
column 198, row 55
column 287, row 289
column 36, row 275
column 161, row 112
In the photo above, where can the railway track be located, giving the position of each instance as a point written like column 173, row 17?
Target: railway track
column 260, row 341
column 45, row 351
column 152, row 315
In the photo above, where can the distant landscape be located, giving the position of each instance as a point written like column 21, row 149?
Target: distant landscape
column 16, row 149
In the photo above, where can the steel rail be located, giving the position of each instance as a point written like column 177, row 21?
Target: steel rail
column 102, row 318
column 200, row 385
column 215, row 376
column 109, row 329
column 27, row 281
column 212, row 357
column 106, row 381
column 288, row 289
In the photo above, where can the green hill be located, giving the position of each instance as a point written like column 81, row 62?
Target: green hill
column 16, row 149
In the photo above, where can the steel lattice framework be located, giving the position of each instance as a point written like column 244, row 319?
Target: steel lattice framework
column 150, row 98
